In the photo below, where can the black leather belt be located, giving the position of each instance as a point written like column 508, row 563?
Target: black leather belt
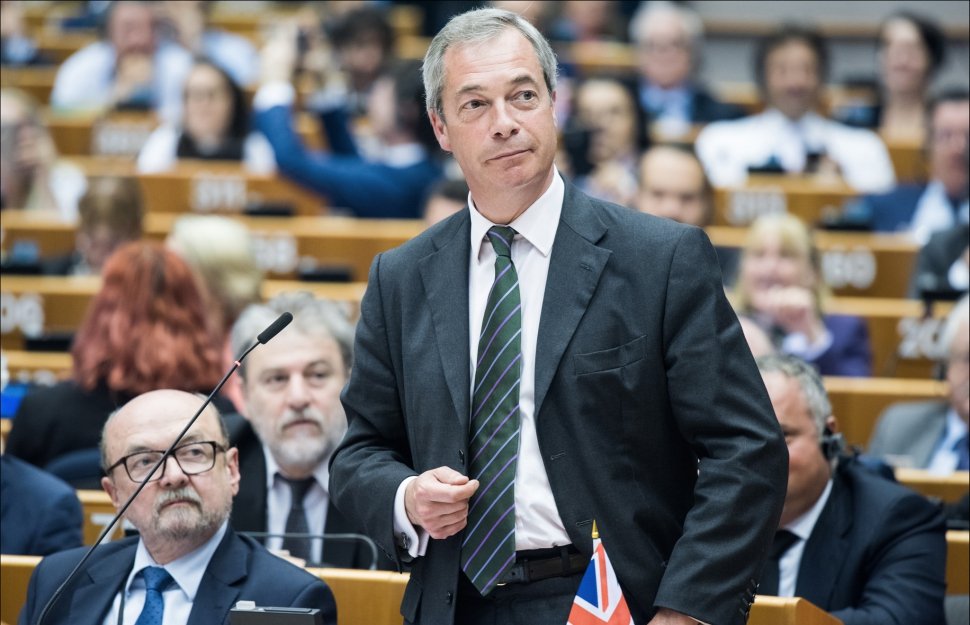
column 532, row 566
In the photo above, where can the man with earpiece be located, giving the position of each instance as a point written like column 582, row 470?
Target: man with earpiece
column 855, row 544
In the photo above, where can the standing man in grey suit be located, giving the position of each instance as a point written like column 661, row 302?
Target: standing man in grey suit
column 542, row 360
column 932, row 435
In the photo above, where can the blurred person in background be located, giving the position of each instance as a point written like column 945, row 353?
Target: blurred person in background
column 923, row 209
column 790, row 136
column 17, row 48
column 669, row 39
column 130, row 67
column 446, row 198
column 781, row 288
column 393, row 184
column 932, row 435
column 606, row 109
column 31, row 174
column 147, row 328
column 39, row 513
column 186, row 22
column 911, row 50
column 580, row 21
column 215, row 126
column 221, row 252
column 110, row 215
column 673, row 185
column 943, row 264
column 363, row 47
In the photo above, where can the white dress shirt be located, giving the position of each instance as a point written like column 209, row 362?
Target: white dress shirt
column 728, row 148
column 187, row 572
column 537, row 521
column 944, row 460
column 934, row 213
column 278, row 503
column 792, row 559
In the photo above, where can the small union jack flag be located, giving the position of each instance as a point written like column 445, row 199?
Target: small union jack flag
column 599, row 600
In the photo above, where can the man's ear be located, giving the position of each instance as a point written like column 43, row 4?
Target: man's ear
column 109, row 487
column 440, row 130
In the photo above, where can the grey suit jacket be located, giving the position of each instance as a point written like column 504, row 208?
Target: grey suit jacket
column 909, row 431
column 641, row 373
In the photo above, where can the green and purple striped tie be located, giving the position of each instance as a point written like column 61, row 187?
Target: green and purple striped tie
column 488, row 549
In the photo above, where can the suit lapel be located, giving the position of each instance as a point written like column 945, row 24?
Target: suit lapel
column 249, row 505
column 818, row 571
column 444, row 274
column 574, row 271
column 97, row 587
column 220, row 583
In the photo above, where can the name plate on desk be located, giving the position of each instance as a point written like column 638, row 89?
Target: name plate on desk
column 746, row 205
column 212, row 193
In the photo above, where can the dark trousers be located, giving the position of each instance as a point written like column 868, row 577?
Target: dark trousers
column 545, row 602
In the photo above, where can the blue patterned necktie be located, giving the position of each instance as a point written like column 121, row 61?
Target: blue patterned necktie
column 488, row 549
column 157, row 580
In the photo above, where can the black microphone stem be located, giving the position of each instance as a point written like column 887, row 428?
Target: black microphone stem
column 168, row 452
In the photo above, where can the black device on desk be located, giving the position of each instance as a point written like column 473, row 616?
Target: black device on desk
column 246, row 613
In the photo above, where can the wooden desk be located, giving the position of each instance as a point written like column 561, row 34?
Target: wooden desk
column 788, row 611
column 957, row 562
column 858, row 402
column 43, row 368
column 98, row 512
column 806, row 197
column 34, row 305
column 908, row 159
column 854, row 264
column 110, row 134
column 38, row 82
column 947, row 488
column 371, row 597
column 209, row 187
column 15, row 574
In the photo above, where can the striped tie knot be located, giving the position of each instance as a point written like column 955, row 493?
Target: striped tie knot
column 501, row 240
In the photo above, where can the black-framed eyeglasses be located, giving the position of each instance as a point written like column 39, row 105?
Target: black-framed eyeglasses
column 193, row 458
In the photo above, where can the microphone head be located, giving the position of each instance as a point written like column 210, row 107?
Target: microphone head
column 274, row 328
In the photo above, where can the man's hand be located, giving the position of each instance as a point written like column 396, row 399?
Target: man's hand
column 438, row 501
column 665, row 616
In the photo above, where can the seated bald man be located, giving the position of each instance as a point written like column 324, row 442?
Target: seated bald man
column 186, row 566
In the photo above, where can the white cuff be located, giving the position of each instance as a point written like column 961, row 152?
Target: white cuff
column 274, row 94
column 797, row 344
column 412, row 539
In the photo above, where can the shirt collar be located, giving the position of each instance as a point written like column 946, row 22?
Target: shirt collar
column 537, row 224
column 321, row 474
column 187, row 571
column 803, row 525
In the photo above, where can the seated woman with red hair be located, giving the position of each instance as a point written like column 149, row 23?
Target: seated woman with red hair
column 146, row 329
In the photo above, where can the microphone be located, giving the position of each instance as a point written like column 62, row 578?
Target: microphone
column 274, row 328
column 367, row 541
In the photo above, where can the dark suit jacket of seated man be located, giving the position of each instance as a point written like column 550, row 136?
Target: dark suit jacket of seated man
column 184, row 539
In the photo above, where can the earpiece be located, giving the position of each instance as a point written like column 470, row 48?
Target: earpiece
column 832, row 444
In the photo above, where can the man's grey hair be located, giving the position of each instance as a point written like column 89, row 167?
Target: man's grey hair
column 693, row 24
column 312, row 317
column 951, row 327
column 809, row 382
column 103, row 445
column 475, row 27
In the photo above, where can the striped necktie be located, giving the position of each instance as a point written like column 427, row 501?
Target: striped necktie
column 488, row 549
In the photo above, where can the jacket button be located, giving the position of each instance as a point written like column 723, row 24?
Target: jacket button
column 448, row 597
column 461, row 457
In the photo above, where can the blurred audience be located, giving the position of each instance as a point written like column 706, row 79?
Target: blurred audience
column 147, row 328
column 215, row 126
column 673, row 185
column 17, row 49
column 580, row 21
column 110, row 215
column 606, row 109
column 446, row 198
column 780, row 286
column 853, row 543
column 941, row 203
column 186, row 22
column 932, row 435
column 31, row 174
column 669, row 39
column 790, row 136
column 910, row 53
column 130, row 67
column 363, row 47
column 397, row 183
column 943, row 264
column 39, row 514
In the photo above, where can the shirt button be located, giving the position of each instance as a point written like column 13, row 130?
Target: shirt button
column 448, row 597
